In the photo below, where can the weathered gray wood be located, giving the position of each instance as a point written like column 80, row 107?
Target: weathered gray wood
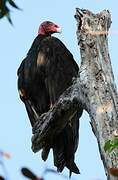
column 98, row 80
column 94, row 90
column 54, row 120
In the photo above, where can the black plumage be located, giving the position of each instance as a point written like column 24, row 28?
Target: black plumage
column 45, row 73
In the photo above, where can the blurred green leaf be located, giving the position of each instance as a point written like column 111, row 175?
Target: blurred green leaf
column 12, row 3
column 9, row 18
column 110, row 145
column 5, row 11
column 107, row 145
column 115, row 142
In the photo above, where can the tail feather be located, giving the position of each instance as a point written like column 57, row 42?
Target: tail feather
column 73, row 168
column 32, row 114
column 58, row 153
column 64, row 147
column 45, row 153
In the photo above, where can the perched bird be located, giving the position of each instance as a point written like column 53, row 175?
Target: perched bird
column 45, row 73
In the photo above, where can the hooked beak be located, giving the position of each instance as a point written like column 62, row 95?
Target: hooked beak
column 59, row 30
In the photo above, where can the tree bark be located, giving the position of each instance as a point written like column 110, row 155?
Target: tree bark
column 98, row 80
column 94, row 90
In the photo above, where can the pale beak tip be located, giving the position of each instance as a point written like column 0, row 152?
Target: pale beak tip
column 59, row 30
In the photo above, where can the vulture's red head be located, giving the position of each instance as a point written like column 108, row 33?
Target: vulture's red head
column 48, row 28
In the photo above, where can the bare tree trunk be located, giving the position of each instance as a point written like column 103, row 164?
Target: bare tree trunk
column 98, row 81
column 94, row 90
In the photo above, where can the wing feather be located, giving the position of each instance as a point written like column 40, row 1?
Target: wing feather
column 60, row 69
column 45, row 73
column 31, row 81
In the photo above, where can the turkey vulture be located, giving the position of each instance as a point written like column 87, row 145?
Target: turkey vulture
column 45, row 73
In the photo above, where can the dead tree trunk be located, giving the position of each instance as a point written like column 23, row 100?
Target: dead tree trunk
column 94, row 90
column 98, row 80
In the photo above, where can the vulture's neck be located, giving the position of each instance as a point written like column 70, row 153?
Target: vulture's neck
column 36, row 43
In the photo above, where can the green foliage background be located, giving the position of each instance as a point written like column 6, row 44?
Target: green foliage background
column 5, row 10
